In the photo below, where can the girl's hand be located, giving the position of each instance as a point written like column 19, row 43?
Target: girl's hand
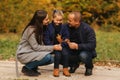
column 58, row 47
column 59, row 38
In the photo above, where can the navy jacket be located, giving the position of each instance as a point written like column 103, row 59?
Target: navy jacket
column 49, row 34
column 86, row 38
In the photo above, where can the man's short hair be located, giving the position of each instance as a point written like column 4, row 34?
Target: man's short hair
column 77, row 15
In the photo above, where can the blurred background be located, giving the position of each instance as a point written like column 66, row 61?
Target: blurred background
column 102, row 15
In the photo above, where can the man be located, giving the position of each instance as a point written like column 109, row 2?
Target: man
column 82, row 43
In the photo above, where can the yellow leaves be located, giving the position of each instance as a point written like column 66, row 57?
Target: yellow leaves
column 118, row 3
column 108, row 8
column 87, row 14
column 15, row 14
column 42, row 2
column 118, row 17
column 47, row 1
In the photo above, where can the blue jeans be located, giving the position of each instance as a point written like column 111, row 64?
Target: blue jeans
column 81, row 56
column 61, row 57
column 86, row 57
column 48, row 59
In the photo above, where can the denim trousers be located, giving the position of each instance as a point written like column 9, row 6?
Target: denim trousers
column 81, row 56
column 48, row 59
column 61, row 57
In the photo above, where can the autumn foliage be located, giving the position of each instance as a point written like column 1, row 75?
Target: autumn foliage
column 100, row 14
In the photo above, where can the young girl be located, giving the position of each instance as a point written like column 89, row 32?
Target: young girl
column 31, row 50
column 57, row 34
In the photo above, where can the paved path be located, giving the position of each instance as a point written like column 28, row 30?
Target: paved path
column 7, row 72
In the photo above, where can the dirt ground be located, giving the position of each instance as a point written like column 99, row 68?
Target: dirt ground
column 8, row 72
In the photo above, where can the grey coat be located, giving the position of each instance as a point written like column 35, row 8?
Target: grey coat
column 29, row 50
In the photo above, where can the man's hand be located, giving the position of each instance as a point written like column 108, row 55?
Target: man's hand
column 67, row 40
column 73, row 45
column 57, row 47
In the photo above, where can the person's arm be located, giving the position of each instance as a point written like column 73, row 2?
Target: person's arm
column 72, row 45
column 33, row 42
column 65, row 32
column 91, row 41
column 37, row 47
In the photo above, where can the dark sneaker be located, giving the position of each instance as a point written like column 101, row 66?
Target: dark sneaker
column 36, row 70
column 29, row 72
column 88, row 72
column 73, row 69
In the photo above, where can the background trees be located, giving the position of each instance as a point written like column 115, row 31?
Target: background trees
column 101, row 14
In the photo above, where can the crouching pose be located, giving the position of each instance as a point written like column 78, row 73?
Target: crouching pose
column 82, row 43
column 56, row 33
column 31, row 50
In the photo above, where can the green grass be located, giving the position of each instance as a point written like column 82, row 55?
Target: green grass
column 108, row 46
column 8, row 45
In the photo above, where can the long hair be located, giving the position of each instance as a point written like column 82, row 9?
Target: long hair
column 37, row 23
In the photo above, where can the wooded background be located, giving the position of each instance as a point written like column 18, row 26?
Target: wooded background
column 100, row 14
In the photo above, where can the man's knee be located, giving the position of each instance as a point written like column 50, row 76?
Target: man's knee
column 83, row 54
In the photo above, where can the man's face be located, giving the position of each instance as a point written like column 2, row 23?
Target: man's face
column 58, row 20
column 46, row 21
column 71, row 21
